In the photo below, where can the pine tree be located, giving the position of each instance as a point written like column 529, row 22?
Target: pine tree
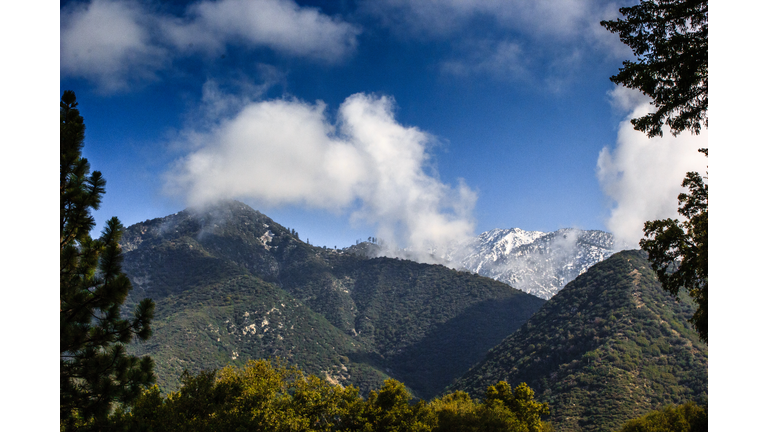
column 95, row 370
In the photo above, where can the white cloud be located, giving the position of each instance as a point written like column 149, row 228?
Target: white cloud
column 279, row 24
column 109, row 43
column 643, row 176
column 119, row 43
column 287, row 152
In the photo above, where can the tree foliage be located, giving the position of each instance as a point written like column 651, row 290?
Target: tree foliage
column 683, row 418
column 269, row 396
column 520, row 402
column 669, row 39
column 95, row 371
column 678, row 250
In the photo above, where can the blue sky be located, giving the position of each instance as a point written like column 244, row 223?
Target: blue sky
column 496, row 133
column 419, row 122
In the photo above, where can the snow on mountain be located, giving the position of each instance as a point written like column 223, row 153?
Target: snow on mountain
column 535, row 262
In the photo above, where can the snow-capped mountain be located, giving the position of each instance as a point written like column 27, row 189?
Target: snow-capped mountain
column 535, row 262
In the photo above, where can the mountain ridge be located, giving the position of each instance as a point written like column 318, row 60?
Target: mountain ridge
column 610, row 346
column 375, row 317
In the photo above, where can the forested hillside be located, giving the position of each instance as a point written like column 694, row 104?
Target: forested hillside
column 230, row 285
column 609, row 347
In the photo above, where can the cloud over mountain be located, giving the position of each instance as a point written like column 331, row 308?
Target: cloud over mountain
column 287, row 152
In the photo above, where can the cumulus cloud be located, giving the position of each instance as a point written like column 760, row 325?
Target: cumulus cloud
column 279, row 24
column 109, row 42
column 287, row 152
column 120, row 42
column 643, row 176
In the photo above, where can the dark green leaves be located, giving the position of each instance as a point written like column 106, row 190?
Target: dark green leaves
column 669, row 38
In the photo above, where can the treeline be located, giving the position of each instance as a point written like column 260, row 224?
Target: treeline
column 267, row 396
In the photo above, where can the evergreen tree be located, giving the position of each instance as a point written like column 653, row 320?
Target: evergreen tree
column 95, row 370
column 670, row 40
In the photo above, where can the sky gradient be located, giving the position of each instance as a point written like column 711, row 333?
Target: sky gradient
column 422, row 123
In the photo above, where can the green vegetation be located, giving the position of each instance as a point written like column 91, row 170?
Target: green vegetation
column 266, row 397
column 95, row 371
column 246, row 318
column 670, row 40
column 684, row 418
column 232, row 285
column 678, row 250
column 609, row 347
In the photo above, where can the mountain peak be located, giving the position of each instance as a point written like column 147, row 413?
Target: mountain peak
column 608, row 347
column 536, row 262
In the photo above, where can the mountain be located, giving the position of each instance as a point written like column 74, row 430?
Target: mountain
column 231, row 284
column 610, row 346
column 535, row 262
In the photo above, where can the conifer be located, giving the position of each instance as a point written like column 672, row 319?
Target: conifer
column 95, row 370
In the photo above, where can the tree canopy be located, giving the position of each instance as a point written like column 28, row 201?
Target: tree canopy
column 268, row 396
column 95, row 371
column 669, row 39
column 688, row 417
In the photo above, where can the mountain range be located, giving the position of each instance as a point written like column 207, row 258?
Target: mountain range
column 230, row 284
column 536, row 262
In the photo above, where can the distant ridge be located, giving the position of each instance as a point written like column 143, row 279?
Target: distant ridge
column 610, row 346
column 535, row 262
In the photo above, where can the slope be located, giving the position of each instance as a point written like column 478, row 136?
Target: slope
column 221, row 276
column 610, row 346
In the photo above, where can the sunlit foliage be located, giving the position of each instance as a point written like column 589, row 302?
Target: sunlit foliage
column 272, row 397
